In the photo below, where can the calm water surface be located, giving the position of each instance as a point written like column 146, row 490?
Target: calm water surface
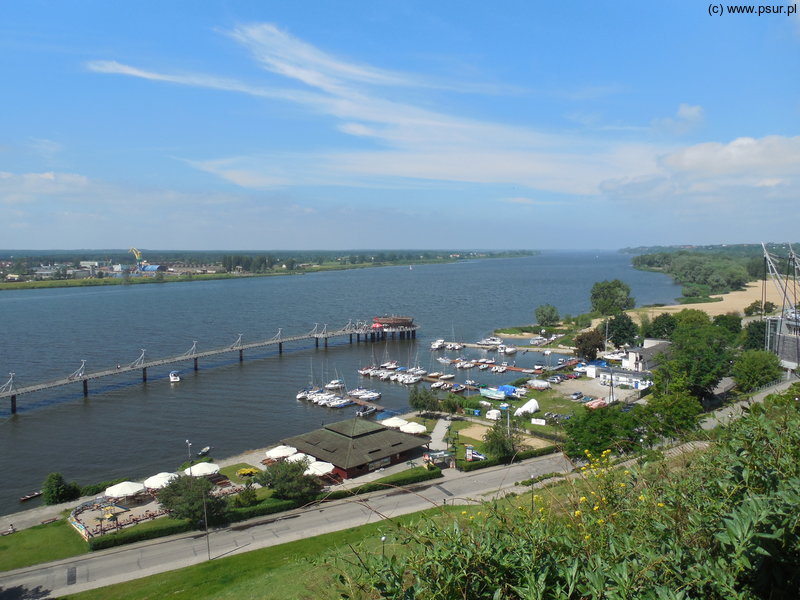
column 127, row 429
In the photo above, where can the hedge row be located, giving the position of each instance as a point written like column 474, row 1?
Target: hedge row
column 95, row 489
column 267, row 507
column 493, row 462
column 156, row 529
column 397, row 480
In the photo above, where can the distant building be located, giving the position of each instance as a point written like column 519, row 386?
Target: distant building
column 357, row 446
column 645, row 357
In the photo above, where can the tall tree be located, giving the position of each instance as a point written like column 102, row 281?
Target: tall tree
column 500, row 443
column 56, row 490
column 622, row 330
column 602, row 429
column 288, row 481
column 190, row 498
column 671, row 409
column 588, row 343
column 701, row 354
column 547, row 315
column 755, row 334
column 662, row 327
column 755, row 368
column 611, row 297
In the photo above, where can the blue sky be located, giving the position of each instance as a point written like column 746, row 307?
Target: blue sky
column 405, row 124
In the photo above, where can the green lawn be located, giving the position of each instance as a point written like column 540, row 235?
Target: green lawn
column 230, row 472
column 279, row 572
column 39, row 544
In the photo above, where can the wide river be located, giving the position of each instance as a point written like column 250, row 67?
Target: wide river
column 129, row 429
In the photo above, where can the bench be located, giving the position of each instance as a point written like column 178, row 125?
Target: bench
column 53, row 520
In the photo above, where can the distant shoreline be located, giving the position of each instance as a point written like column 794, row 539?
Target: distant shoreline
column 185, row 278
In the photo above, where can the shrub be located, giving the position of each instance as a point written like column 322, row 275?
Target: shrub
column 146, row 531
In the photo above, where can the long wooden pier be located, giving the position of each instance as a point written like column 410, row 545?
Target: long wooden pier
column 360, row 331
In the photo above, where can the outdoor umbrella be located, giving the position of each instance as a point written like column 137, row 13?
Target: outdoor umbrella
column 298, row 457
column 414, row 428
column 125, row 488
column 319, row 467
column 394, row 422
column 202, row 469
column 280, row 452
column 156, row 482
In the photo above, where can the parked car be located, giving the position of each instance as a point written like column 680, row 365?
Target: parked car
column 554, row 379
column 576, row 395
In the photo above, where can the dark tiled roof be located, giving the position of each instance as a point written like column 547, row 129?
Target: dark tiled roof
column 355, row 442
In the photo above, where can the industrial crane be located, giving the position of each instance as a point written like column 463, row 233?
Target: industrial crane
column 138, row 256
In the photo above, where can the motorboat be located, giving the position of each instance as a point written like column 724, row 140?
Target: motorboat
column 334, row 384
column 437, row 345
column 493, row 393
column 446, row 376
column 366, row 411
column 174, row 377
column 204, row 451
column 444, row 361
column 490, row 342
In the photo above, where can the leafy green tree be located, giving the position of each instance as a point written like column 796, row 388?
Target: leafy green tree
column 56, row 490
column 451, row 404
column 500, row 443
column 621, row 330
column 661, row 327
column 423, row 400
column 184, row 498
column 601, row 429
column 755, row 368
column 247, row 497
column 547, row 315
column 588, row 343
column 700, row 353
column 729, row 321
column 691, row 317
column 611, row 297
column 288, row 481
column 755, row 334
column 671, row 410
column 757, row 308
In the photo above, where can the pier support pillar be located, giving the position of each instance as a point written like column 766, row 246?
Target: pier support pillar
column 316, row 342
column 351, row 338
column 85, row 387
column 241, row 355
column 326, row 342
column 280, row 347
column 195, row 364
column 144, row 375
column 358, row 338
column 14, row 404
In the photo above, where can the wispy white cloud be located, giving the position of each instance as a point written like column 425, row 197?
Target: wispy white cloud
column 687, row 118
column 47, row 149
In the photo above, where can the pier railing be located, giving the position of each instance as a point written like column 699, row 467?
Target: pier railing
column 359, row 330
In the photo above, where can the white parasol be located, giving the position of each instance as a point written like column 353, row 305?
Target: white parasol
column 319, row 467
column 414, row 428
column 202, row 469
column 298, row 457
column 280, row 452
column 125, row 488
column 156, row 482
column 394, row 422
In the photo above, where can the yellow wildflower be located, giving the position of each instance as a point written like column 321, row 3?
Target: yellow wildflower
column 578, row 513
column 661, row 504
column 583, row 499
column 641, row 497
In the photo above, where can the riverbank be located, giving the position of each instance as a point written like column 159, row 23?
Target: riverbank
column 732, row 302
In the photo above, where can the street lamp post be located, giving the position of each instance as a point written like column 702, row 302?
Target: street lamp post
column 383, row 546
column 203, row 495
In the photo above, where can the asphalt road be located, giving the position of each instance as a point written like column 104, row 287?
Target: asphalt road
column 147, row 558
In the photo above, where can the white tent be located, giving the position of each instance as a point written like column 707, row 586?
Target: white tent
column 394, row 422
column 299, row 457
column 202, row 469
column 414, row 428
column 319, row 467
column 125, row 488
column 280, row 451
column 156, row 482
column 531, row 406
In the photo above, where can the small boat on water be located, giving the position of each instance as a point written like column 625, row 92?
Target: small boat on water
column 437, row 344
column 366, row 411
column 174, row 377
column 30, row 496
column 204, row 451
column 334, row 384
